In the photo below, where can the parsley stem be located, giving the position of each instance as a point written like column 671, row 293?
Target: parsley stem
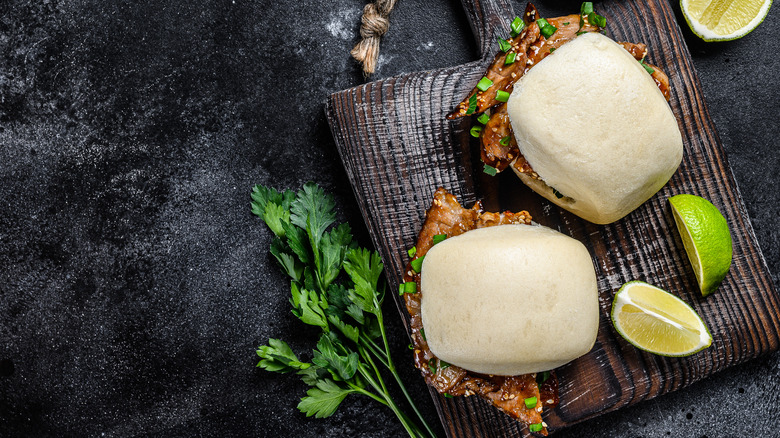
column 384, row 358
column 391, row 367
column 367, row 393
column 388, row 400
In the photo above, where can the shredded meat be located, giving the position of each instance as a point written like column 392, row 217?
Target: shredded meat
column 447, row 216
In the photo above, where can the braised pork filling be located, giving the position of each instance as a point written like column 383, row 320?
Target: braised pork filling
column 522, row 397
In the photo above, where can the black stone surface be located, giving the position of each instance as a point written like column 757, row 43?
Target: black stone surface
column 135, row 283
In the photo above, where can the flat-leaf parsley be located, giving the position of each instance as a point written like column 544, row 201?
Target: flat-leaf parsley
column 314, row 253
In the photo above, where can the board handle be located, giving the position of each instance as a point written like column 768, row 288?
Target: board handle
column 489, row 21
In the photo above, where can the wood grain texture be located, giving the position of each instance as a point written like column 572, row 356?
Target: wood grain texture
column 397, row 148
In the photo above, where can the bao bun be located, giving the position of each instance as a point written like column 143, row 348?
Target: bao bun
column 593, row 125
column 509, row 300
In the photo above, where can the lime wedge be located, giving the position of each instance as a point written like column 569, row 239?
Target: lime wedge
column 724, row 20
column 705, row 235
column 654, row 320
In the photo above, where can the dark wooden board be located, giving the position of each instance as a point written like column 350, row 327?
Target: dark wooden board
column 398, row 148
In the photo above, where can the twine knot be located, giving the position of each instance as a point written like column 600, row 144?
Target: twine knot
column 374, row 24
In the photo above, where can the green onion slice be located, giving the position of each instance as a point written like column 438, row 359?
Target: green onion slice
column 401, row 290
column 417, row 264
column 597, row 20
column 432, row 368
column 483, row 118
column 516, row 26
column 412, row 251
column 530, row 402
column 439, row 238
column 410, row 287
column 475, row 131
column 422, row 333
column 536, row 427
column 585, row 9
column 472, row 104
column 510, row 58
column 448, row 395
column 504, row 45
column 545, row 28
column 502, row 96
column 542, row 377
column 484, row 84
column 552, row 49
column 443, row 364
column 505, row 140
column 490, row 170
column 647, row 67
column 557, row 194
column 410, row 347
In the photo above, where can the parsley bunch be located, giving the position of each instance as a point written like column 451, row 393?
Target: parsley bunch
column 348, row 308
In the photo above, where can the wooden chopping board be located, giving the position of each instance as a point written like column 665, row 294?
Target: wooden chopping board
column 397, row 148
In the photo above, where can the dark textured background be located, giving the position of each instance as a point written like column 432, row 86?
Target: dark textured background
column 135, row 283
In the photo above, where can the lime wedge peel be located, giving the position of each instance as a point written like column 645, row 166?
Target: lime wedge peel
column 724, row 20
column 706, row 237
column 656, row 321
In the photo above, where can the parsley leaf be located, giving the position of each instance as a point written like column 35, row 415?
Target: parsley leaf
column 272, row 206
column 307, row 307
column 280, row 251
column 323, row 400
column 279, row 357
column 341, row 366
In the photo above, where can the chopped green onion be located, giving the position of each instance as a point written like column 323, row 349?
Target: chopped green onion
column 490, row 170
column 484, row 84
column 401, row 290
column 647, row 67
column 504, row 45
column 432, row 368
column 410, row 347
column 472, row 104
column 557, row 194
column 475, row 131
column 545, row 28
column 516, row 26
column 502, row 96
column 566, row 23
column 536, row 427
column 417, row 264
column 580, row 33
column 422, row 333
column 505, row 140
column 597, row 20
column 552, row 49
column 410, row 287
column 448, row 395
column 439, row 238
column 585, row 9
column 510, row 58
column 542, row 377
column 530, row 402
column 412, row 251
column 483, row 118
column 443, row 364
